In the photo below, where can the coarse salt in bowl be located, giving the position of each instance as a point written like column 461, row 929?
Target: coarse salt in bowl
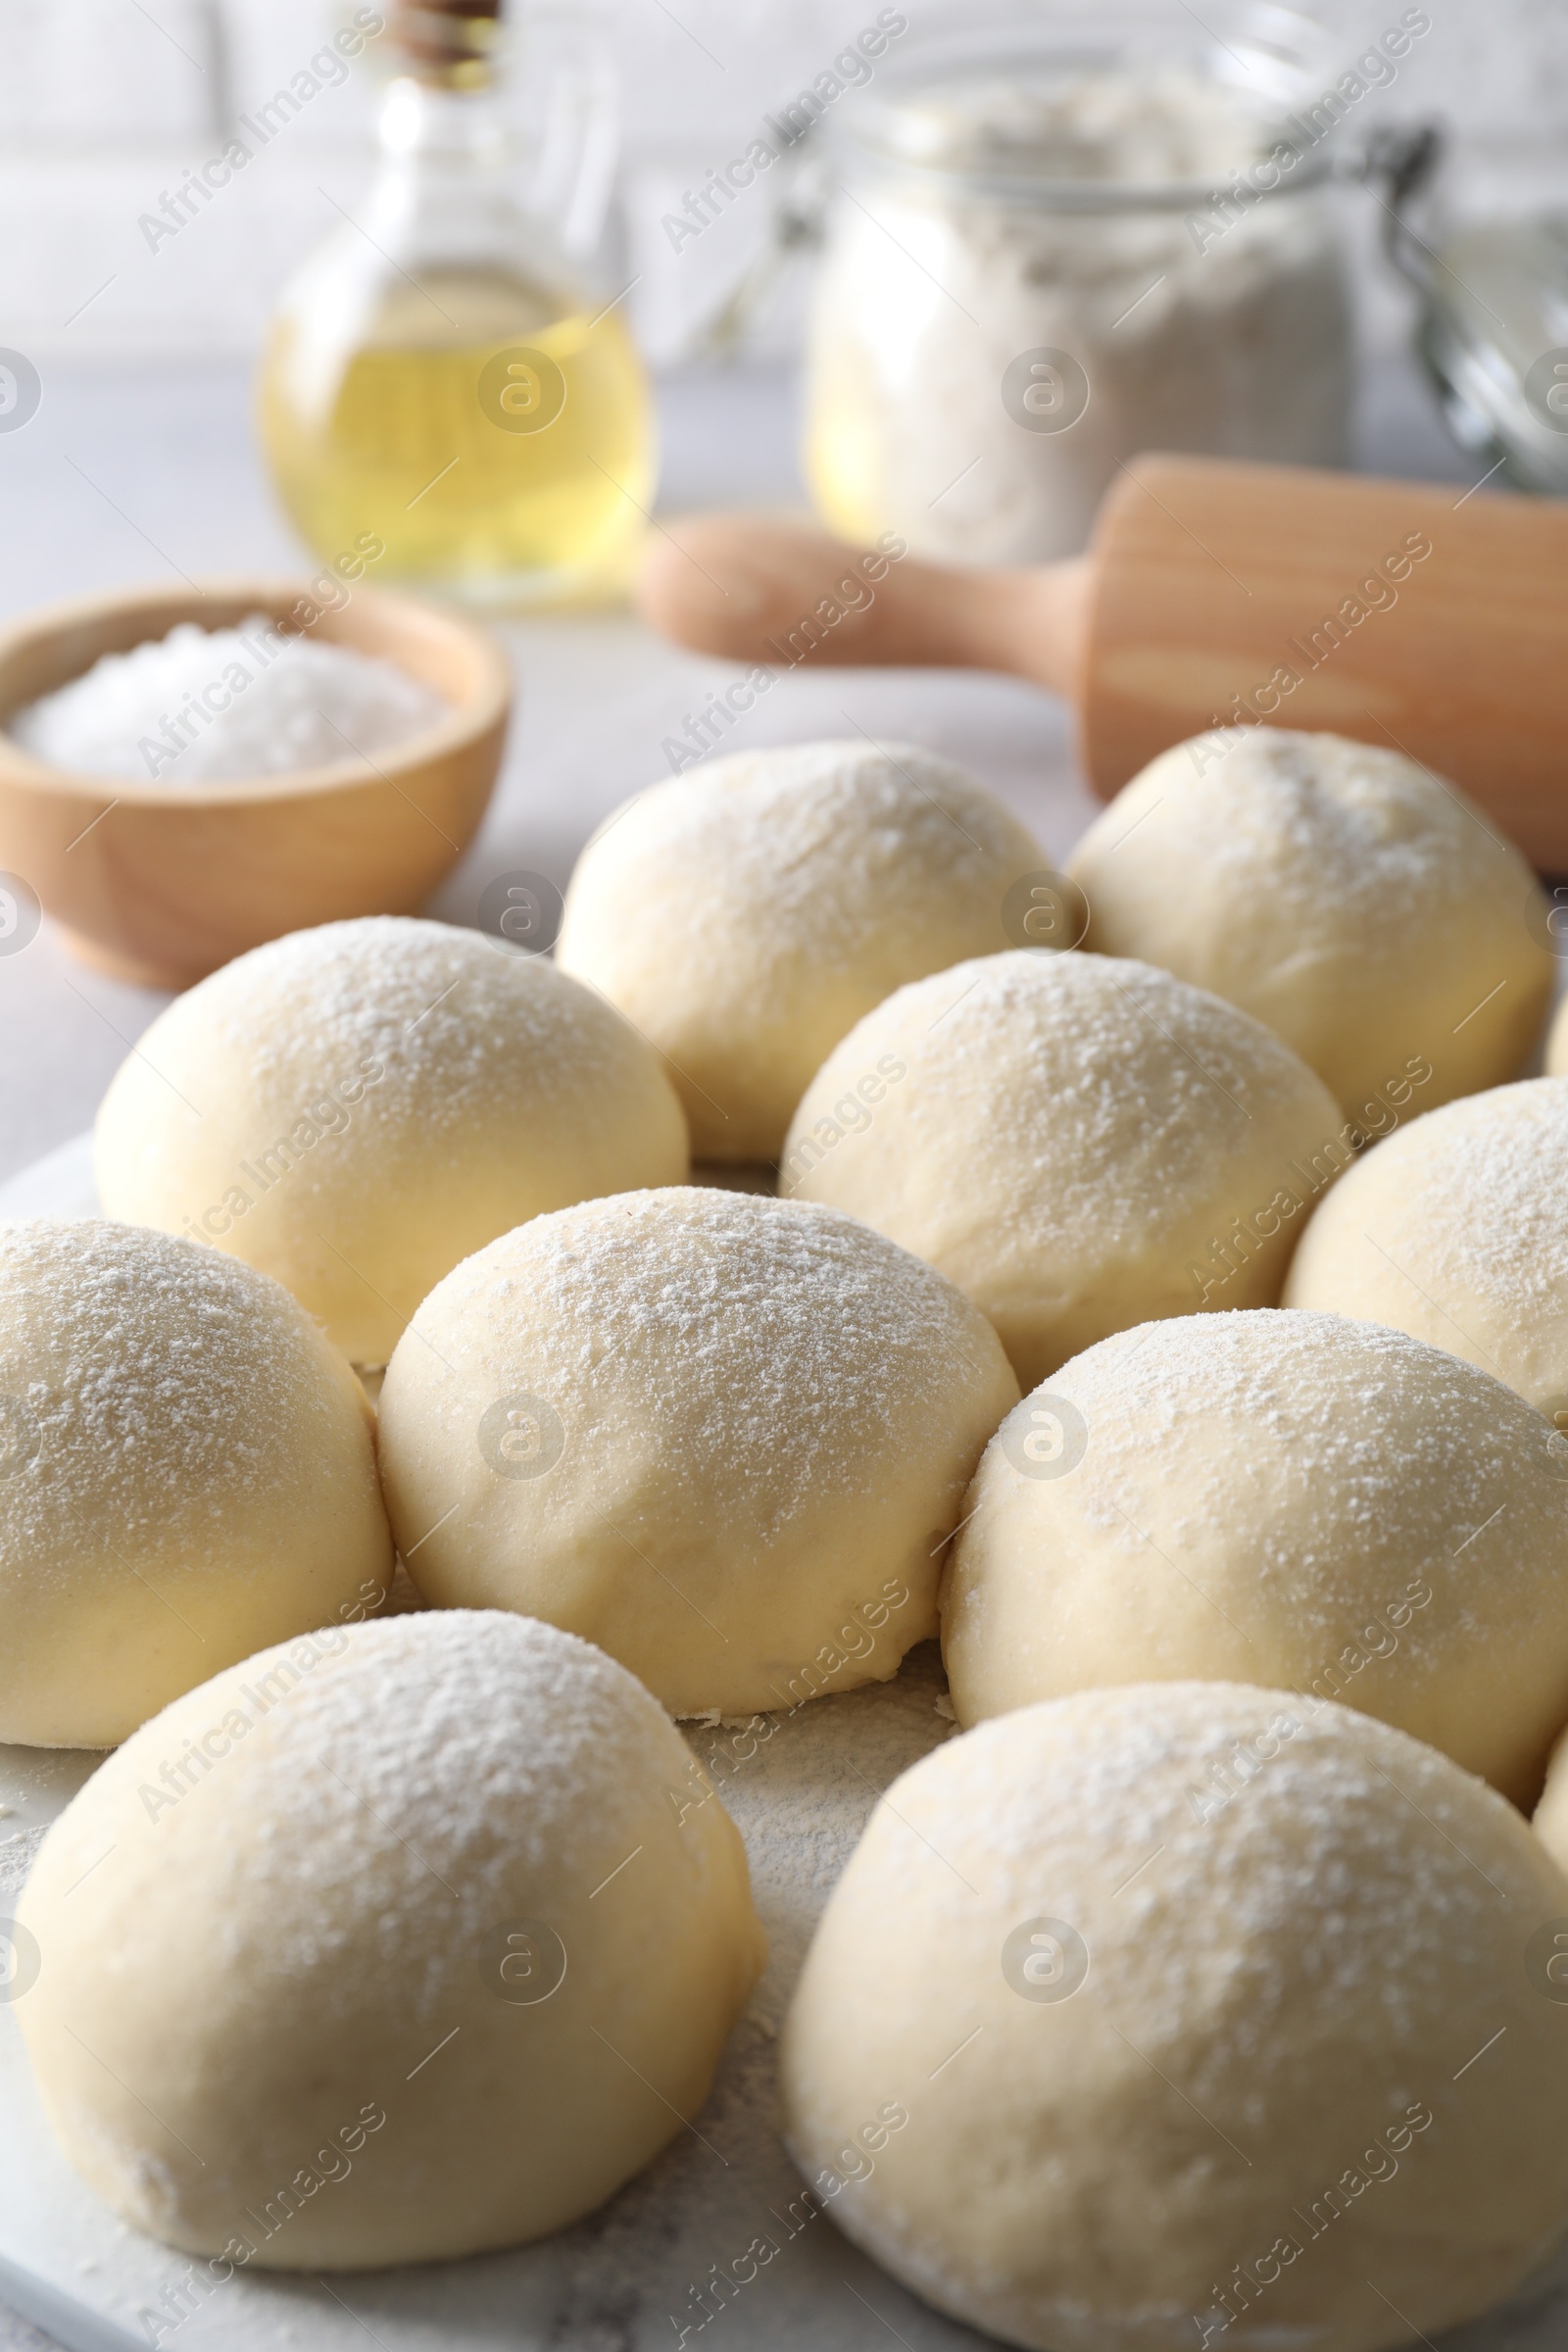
column 189, row 771
column 202, row 704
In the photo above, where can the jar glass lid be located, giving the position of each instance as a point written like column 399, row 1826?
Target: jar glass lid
column 1126, row 110
column 1495, row 338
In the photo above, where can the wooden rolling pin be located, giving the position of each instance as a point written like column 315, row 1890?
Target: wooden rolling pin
column 1407, row 613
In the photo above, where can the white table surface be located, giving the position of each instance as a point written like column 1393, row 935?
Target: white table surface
column 138, row 473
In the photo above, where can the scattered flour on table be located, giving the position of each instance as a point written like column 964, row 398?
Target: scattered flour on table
column 17, row 1855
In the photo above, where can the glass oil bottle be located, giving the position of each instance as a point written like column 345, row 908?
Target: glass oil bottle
column 440, row 378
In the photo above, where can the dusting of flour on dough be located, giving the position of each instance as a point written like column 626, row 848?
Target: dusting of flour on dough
column 1484, row 1182
column 123, row 1346
column 783, row 1332
column 441, row 1008
column 818, row 832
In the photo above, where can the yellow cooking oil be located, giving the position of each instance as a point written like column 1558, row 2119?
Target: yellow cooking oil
column 843, row 457
column 496, row 438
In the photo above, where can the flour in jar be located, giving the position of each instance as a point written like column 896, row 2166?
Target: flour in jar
column 996, row 223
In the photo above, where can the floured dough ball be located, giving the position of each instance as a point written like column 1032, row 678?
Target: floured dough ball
column 357, row 1108
column 725, row 1437
column 1097, row 2074
column 747, row 914
column 1456, row 1228
column 1354, row 903
column 1276, row 1498
column 386, row 1955
column 1078, row 1142
column 186, row 1474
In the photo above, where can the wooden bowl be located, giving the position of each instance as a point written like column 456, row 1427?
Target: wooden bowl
column 161, row 883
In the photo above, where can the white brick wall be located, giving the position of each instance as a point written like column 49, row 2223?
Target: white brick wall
column 104, row 103
column 78, row 70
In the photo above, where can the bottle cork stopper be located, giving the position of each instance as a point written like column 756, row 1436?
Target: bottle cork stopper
column 452, row 43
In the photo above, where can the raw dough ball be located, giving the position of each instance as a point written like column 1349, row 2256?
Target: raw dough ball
column 747, row 914
column 387, row 1953
column 1282, row 1498
column 725, row 1437
column 1072, row 1140
column 357, row 1108
column 1456, row 1228
column 1360, row 908
column 1096, row 2075
column 186, row 1474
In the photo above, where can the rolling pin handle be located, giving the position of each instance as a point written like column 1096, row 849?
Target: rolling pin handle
column 756, row 588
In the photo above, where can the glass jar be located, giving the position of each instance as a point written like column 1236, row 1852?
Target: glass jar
column 442, row 378
column 1044, row 259
column 1494, row 337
